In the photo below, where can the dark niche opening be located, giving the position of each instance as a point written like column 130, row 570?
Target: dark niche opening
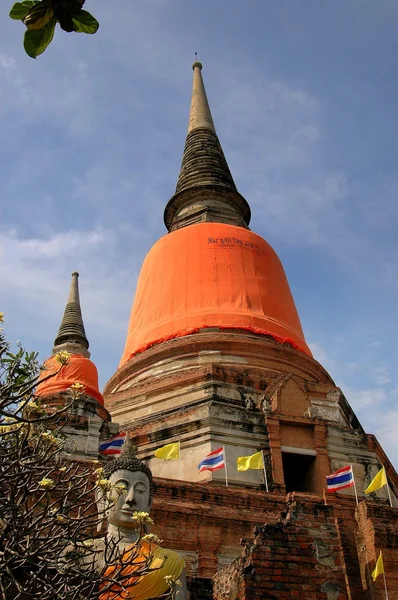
column 299, row 471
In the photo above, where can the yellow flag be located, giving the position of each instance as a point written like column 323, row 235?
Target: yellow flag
column 255, row 461
column 379, row 568
column 377, row 482
column 169, row 451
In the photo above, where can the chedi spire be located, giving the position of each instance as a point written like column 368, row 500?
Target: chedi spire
column 199, row 115
column 71, row 335
column 206, row 191
column 79, row 368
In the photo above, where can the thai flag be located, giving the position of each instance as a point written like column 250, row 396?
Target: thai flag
column 114, row 445
column 341, row 479
column 213, row 461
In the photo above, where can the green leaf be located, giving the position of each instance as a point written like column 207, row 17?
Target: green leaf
column 38, row 16
column 64, row 19
column 20, row 10
column 37, row 40
column 84, row 22
column 75, row 6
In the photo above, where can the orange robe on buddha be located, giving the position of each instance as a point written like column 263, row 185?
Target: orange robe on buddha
column 156, row 561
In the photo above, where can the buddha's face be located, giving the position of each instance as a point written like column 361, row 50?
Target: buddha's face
column 134, row 496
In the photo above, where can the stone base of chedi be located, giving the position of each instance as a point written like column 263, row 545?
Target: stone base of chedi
column 244, row 392
column 241, row 544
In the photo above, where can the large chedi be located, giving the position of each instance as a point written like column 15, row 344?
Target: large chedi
column 215, row 354
column 210, row 270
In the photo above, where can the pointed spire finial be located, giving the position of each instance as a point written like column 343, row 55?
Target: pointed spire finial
column 205, row 188
column 200, row 115
column 71, row 335
column 197, row 63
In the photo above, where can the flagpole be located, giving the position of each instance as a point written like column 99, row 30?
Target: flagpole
column 265, row 472
column 225, row 466
column 179, row 461
column 388, row 487
column 385, row 583
column 355, row 487
column 369, row 578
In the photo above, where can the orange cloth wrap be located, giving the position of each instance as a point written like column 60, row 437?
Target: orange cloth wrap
column 150, row 585
column 77, row 370
column 211, row 275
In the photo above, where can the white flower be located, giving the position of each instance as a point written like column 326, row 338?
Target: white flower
column 142, row 518
column 77, row 389
column 121, row 488
column 77, row 386
column 47, row 483
column 48, row 436
column 172, row 582
column 104, row 484
column 62, row 357
column 61, row 519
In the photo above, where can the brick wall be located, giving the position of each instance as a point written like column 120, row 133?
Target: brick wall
column 199, row 588
column 205, row 522
column 299, row 556
column 377, row 530
column 300, row 543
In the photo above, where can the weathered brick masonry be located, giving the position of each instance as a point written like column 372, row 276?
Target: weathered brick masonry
column 285, row 546
column 300, row 555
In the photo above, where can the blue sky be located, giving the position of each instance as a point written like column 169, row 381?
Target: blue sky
column 304, row 97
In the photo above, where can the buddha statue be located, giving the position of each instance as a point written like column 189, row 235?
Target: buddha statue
column 126, row 553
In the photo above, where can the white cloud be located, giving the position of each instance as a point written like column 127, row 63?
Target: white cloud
column 320, row 354
column 382, row 374
column 274, row 124
column 35, row 275
column 369, row 384
column 361, row 399
column 7, row 63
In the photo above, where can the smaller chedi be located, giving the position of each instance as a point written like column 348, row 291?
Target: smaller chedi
column 131, row 558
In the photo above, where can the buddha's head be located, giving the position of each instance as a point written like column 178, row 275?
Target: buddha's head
column 133, row 479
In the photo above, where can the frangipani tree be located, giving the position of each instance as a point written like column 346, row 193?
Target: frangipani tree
column 50, row 534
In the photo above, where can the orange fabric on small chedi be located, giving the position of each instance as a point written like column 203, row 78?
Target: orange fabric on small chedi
column 71, row 338
column 212, row 275
column 78, row 370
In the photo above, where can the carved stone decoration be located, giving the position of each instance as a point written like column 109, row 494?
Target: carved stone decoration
column 249, row 404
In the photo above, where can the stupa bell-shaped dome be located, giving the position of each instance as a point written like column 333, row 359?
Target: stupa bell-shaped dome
column 210, row 270
column 212, row 275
